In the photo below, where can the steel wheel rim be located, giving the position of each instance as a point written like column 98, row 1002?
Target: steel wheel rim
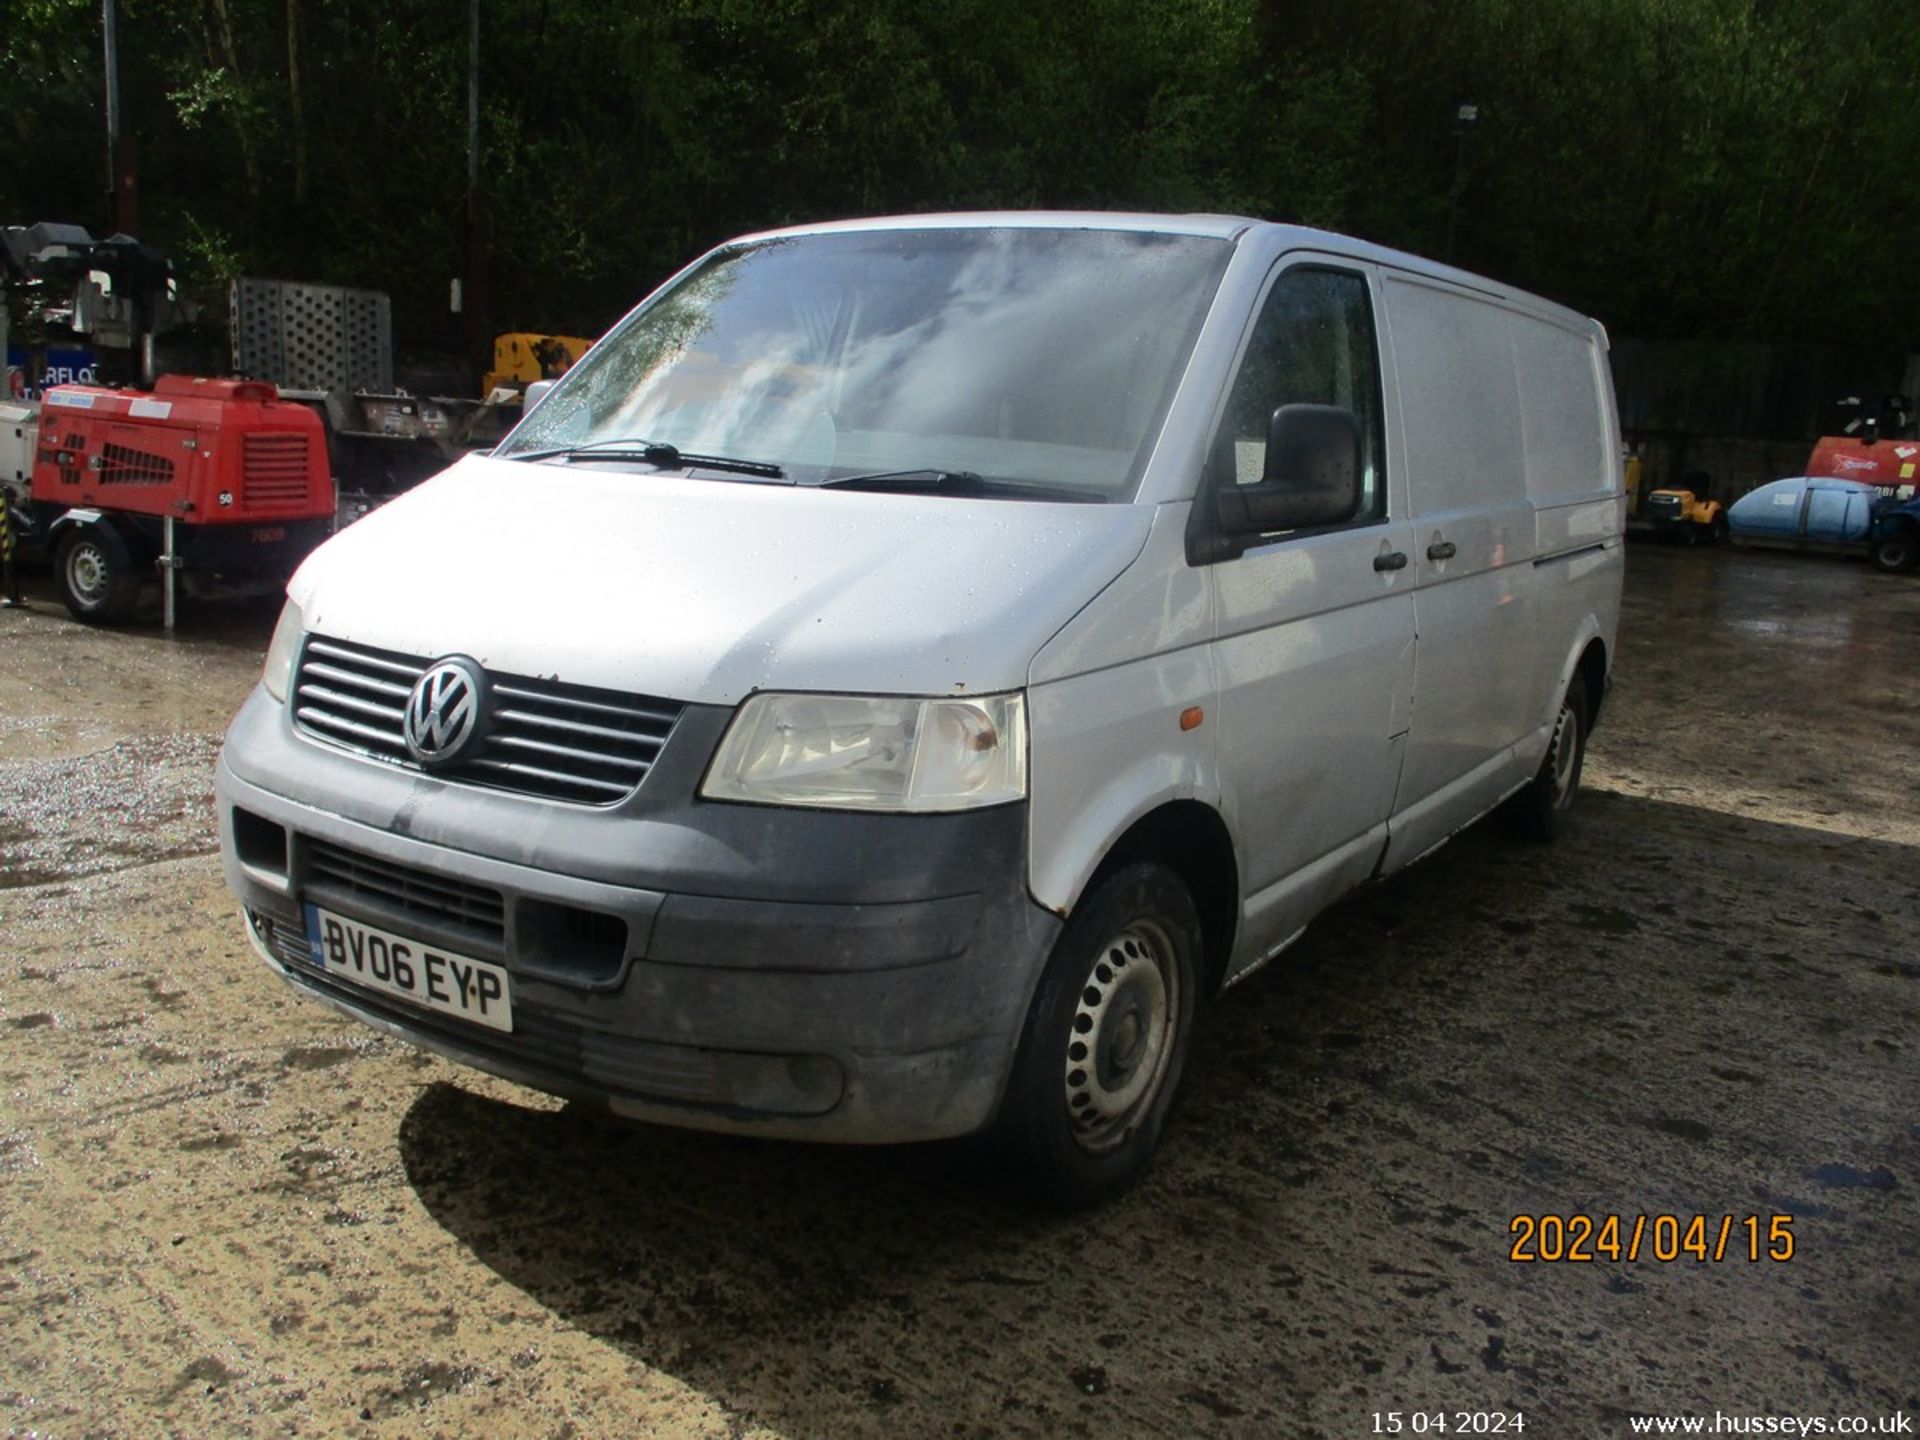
column 87, row 571
column 1566, row 749
column 1122, row 1036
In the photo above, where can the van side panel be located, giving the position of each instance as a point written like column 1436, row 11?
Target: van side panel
column 1575, row 484
column 1478, row 644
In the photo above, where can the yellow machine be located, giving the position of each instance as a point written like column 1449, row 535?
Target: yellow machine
column 520, row 358
column 1679, row 512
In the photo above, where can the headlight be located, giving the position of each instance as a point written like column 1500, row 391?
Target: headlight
column 859, row 752
column 281, row 650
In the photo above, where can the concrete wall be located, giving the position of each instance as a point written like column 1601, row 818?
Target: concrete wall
column 1742, row 413
column 1733, row 465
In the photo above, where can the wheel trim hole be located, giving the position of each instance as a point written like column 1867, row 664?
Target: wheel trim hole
column 1122, row 1025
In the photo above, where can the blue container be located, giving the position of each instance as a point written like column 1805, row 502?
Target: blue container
column 1806, row 511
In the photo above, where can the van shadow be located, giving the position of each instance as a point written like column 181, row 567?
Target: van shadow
column 1328, row 1217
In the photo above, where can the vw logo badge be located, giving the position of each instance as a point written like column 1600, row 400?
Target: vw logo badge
column 443, row 712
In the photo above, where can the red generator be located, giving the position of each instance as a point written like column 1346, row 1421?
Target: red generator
column 1876, row 461
column 241, row 473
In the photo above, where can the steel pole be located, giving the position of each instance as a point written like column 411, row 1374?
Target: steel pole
column 167, row 564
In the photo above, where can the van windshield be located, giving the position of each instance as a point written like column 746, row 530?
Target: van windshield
column 1024, row 359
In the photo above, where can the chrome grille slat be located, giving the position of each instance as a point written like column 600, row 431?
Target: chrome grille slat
column 544, row 738
column 367, row 657
column 637, row 711
column 536, row 772
column 568, row 752
column 308, row 715
column 575, row 727
column 365, row 682
column 327, row 695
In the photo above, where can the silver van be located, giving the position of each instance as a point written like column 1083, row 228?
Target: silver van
column 908, row 666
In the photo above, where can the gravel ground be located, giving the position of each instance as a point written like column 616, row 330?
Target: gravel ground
column 224, row 1210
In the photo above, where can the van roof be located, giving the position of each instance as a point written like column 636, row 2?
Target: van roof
column 1231, row 228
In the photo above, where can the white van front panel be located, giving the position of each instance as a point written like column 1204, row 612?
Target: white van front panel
column 705, row 590
column 1104, row 711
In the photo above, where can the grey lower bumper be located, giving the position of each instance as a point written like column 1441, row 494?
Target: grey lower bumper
column 864, row 981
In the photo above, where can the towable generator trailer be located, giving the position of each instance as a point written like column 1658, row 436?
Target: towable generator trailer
column 219, row 483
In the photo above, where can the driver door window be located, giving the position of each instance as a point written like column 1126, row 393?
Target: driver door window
column 1313, row 344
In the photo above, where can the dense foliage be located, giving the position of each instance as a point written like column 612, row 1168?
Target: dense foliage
column 1699, row 168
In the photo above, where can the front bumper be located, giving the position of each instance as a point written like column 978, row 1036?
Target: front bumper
column 783, row 972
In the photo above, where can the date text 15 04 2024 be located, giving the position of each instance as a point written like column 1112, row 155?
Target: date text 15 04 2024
column 1449, row 1422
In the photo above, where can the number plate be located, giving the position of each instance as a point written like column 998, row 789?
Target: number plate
column 423, row 975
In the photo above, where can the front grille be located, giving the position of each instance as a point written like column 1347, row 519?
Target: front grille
column 273, row 472
column 538, row 737
column 403, row 891
column 123, row 465
column 283, row 933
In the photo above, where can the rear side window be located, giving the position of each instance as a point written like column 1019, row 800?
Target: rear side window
column 1459, row 398
column 1569, row 454
column 1312, row 345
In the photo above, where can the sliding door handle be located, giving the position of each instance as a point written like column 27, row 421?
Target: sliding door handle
column 1442, row 550
column 1392, row 560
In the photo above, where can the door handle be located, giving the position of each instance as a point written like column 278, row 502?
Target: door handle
column 1442, row 550
column 1392, row 560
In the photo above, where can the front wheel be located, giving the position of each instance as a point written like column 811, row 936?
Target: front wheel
column 1896, row 552
column 1540, row 811
column 94, row 575
column 1105, row 1041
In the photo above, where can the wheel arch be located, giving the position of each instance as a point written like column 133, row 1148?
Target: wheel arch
column 1191, row 839
column 1591, row 667
column 139, row 547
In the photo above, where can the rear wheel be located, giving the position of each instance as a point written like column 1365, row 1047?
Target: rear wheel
column 1896, row 552
column 95, row 575
column 1540, row 811
column 1106, row 1040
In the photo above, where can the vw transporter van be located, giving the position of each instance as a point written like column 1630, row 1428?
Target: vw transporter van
column 909, row 666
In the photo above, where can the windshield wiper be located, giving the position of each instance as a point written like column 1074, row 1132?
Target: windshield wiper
column 653, row 452
column 950, row 482
column 926, row 476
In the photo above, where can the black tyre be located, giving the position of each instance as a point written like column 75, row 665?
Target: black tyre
column 1717, row 528
column 1540, row 811
column 95, row 575
column 1105, row 1041
column 1897, row 552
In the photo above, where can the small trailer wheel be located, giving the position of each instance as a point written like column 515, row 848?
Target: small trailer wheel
column 94, row 575
column 1897, row 551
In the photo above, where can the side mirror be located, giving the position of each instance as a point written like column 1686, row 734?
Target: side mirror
column 1311, row 477
column 536, row 392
